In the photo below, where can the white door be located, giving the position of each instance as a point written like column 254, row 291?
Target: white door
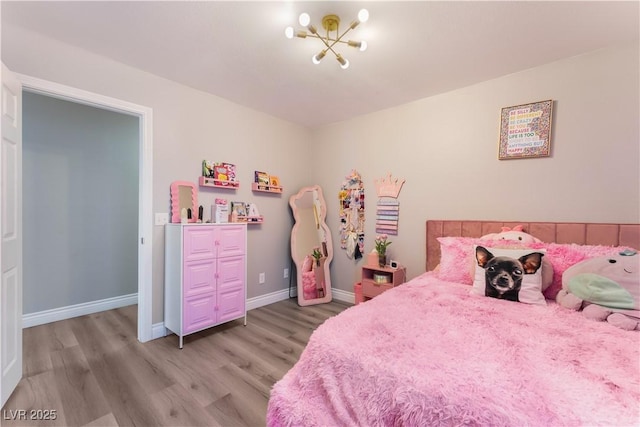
column 11, row 235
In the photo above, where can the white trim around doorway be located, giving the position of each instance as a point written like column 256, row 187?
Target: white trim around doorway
column 145, row 226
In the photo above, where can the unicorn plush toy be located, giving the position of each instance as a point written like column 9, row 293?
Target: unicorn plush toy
column 605, row 288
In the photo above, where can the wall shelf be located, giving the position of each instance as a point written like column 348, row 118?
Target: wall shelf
column 205, row 181
column 266, row 188
column 251, row 219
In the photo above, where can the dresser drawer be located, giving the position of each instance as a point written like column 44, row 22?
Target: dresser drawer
column 371, row 289
column 231, row 240
column 199, row 243
column 199, row 312
column 199, row 276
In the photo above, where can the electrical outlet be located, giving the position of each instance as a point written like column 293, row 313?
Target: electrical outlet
column 286, row 273
column 261, row 278
column 162, row 218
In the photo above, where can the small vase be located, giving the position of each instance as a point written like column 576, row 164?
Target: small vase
column 382, row 260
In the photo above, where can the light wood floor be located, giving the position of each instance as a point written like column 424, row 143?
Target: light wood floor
column 92, row 371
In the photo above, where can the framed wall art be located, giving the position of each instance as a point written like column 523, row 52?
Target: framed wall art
column 525, row 131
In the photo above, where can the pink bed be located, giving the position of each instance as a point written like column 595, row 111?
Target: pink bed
column 429, row 353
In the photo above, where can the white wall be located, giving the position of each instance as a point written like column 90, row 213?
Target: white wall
column 80, row 200
column 189, row 126
column 446, row 148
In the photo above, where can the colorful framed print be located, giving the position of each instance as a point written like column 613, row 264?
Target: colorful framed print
column 525, row 131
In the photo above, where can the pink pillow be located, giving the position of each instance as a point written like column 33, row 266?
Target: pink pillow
column 456, row 260
column 457, row 263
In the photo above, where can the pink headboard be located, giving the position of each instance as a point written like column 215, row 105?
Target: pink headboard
column 557, row 232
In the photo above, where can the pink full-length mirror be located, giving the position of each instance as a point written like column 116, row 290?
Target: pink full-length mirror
column 311, row 246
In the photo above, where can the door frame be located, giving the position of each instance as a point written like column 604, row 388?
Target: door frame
column 145, row 182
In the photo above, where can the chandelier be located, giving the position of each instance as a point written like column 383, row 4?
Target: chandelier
column 331, row 23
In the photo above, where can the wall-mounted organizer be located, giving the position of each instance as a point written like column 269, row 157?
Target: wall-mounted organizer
column 218, row 175
column 351, row 215
column 266, row 183
column 388, row 209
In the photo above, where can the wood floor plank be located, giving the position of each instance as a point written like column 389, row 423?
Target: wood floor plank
column 34, row 393
column 127, row 398
column 93, row 371
column 148, row 370
column 81, row 396
column 43, row 340
column 176, row 408
column 247, row 405
column 36, row 353
column 107, row 421
column 193, row 368
column 273, row 350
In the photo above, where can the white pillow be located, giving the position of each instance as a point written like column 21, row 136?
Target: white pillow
column 531, row 288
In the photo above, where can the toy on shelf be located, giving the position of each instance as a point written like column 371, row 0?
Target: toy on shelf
column 264, row 182
column 218, row 174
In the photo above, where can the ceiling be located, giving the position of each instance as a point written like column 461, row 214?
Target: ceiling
column 237, row 49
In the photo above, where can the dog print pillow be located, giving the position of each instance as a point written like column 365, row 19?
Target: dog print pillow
column 509, row 274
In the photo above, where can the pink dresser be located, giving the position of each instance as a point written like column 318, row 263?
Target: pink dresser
column 205, row 276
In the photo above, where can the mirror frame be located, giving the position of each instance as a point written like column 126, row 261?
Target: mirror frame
column 175, row 201
column 322, row 214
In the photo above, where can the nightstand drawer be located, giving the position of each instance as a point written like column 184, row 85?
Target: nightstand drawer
column 370, row 289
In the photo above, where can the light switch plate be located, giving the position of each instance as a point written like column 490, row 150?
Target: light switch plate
column 162, row 218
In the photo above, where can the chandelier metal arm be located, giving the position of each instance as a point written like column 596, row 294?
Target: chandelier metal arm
column 328, row 39
column 331, row 23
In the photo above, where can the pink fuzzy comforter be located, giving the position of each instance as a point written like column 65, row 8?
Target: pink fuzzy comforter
column 427, row 353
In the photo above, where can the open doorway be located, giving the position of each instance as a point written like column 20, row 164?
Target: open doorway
column 80, row 207
column 143, row 117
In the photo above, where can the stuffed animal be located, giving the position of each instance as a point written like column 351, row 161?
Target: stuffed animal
column 514, row 233
column 605, row 288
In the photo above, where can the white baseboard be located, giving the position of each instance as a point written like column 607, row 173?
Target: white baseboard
column 158, row 329
column 68, row 312
column 267, row 299
column 256, row 302
column 344, row 296
column 262, row 300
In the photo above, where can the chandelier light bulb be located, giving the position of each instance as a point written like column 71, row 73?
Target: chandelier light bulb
column 288, row 32
column 304, row 19
column 362, row 45
column 363, row 15
column 344, row 63
column 317, row 58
